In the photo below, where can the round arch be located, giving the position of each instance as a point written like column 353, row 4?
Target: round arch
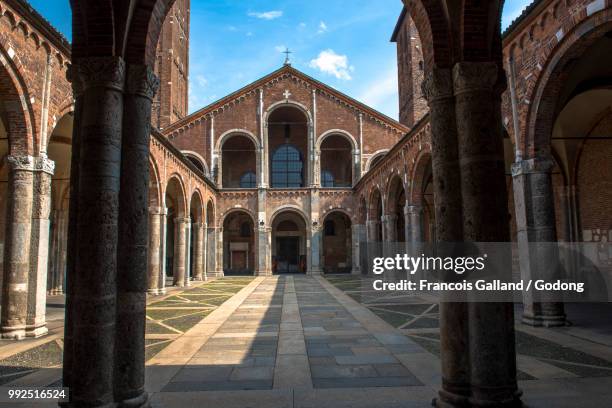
column 337, row 242
column 544, row 107
column 155, row 198
column 236, row 132
column 287, row 103
column 336, row 132
column 375, row 156
column 198, row 158
column 240, row 166
column 290, row 240
column 176, row 186
column 239, row 250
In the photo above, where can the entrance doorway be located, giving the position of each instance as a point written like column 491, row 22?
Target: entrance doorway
column 289, row 243
column 288, row 255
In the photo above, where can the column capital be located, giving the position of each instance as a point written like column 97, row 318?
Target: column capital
column 533, row 165
column 182, row 220
column 157, row 211
column 31, row 163
column 141, row 80
column 413, row 209
column 93, row 72
column 438, row 84
column 478, row 76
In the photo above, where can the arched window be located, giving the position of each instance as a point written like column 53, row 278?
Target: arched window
column 287, row 167
column 327, row 178
column 248, row 180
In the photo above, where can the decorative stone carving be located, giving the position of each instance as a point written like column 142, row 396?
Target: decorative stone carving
column 535, row 165
column 437, row 84
column 477, row 76
column 30, row 163
column 141, row 80
column 106, row 72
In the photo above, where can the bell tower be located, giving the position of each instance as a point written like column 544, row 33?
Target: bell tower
column 172, row 67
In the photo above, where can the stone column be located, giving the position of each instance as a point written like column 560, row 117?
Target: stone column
column 188, row 271
column 133, row 237
column 389, row 224
column 414, row 223
column 478, row 87
column 180, row 249
column 315, row 249
column 54, row 253
column 37, row 280
column 164, row 236
column 155, row 241
column 92, row 295
column 438, row 90
column 211, row 253
column 199, row 252
column 205, row 251
column 535, row 222
column 372, row 230
column 264, row 268
column 359, row 238
column 17, row 247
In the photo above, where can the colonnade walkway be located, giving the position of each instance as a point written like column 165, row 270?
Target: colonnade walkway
column 302, row 341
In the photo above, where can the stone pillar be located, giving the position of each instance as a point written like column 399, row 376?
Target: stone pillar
column 535, row 222
column 198, row 273
column 57, row 256
column 155, row 251
column 264, row 250
column 438, row 90
column 315, row 249
column 219, row 252
column 389, row 225
column 92, row 297
column 163, row 240
column 37, row 280
column 372, row 230
column 133, row 237
column 17, row 247
column 478, row 87
column 205, row 251
column 414, row 223
column 188, row 271
column 211, row 253
column 180, row 250
column 359, row 238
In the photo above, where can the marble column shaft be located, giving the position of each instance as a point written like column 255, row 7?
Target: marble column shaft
column 438, row 90
column 155, row 250
column 477, row 88
column 180, row 250
column 199, row 252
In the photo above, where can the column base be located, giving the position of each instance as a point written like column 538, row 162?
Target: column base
column 141, row 401
column 355, row 271
column 314, row 272
column 34, row 332
column 544, row 321
column 161, row 291
column 448, row 399
column 153, row 292
column 13, row 333
column 263, row 272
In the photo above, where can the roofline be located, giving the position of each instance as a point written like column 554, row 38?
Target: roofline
column 398, row 145
column 286, row 68
column 41, row 24
column 399, row 23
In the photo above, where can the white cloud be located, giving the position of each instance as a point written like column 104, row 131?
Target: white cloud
column 201, row 80
column 382, row 93
column 333, row 64
column 280, row 48
column 322, row 27
column 267, row 15
column 249, row 34
column 302, row 25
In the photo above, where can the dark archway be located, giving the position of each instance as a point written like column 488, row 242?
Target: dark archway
column 337, row 243
column 238, row 244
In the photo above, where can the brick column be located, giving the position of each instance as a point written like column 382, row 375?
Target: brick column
column 133, row 238
column 17, row 247
column 438, row 90
column 155, row 250
column 478, row 87
column 180, row 248
column 198, row 273
column 92, row 296
column 535, row 222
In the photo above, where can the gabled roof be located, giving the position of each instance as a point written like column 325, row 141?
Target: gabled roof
column 286, row 69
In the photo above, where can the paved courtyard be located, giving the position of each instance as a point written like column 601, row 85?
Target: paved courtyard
column 298, row 341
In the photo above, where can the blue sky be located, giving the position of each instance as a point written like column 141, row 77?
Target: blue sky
column 234, row 42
